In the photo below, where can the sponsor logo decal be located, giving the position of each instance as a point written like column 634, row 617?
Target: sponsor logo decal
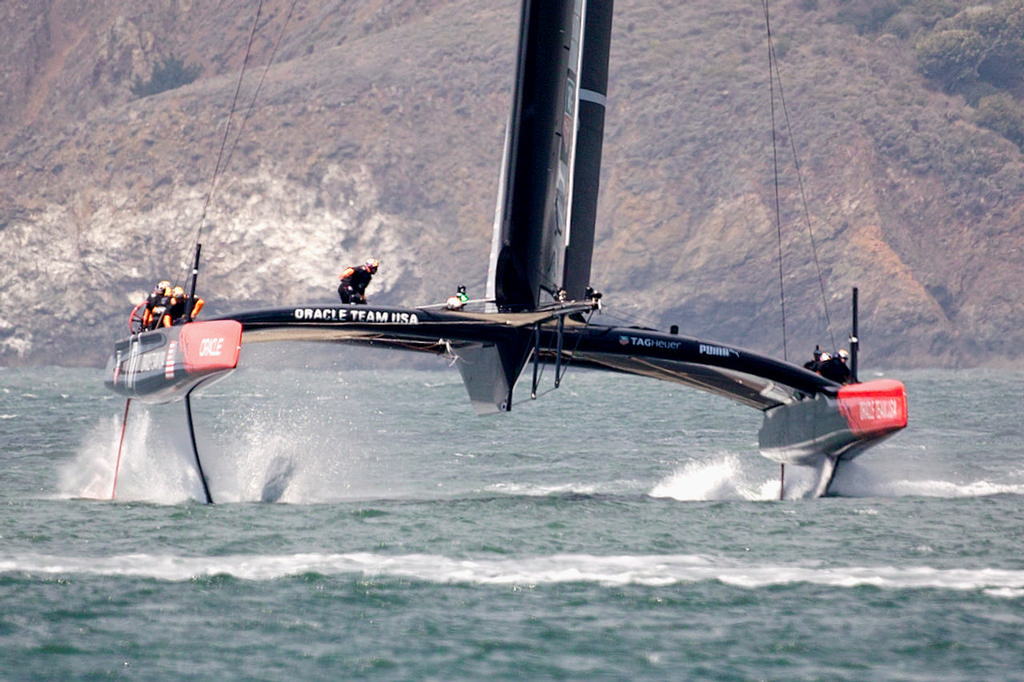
column 717, row 351
column 140, row 363
column 128, row 368
column 355, row 315
column 211, row 347
column 879, row 409
column 647, row 342
column 874, row 407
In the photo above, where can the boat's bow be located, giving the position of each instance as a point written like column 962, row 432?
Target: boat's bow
column 836, row 426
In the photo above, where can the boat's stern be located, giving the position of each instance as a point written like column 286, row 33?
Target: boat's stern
column 163, row 365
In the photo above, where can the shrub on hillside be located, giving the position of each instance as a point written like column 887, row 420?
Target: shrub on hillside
column 951, row 57
column 1002, row 114
column 901, row 17
column 167, row 75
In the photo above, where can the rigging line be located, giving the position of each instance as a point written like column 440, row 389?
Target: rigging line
column 801, row 187
column 259, row 84
column 806, row 211
column 227, row 125
column 638, row 321
column 775, row 167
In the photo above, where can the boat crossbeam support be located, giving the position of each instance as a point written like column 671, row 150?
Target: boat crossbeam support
column 558, row 354
column 559, row 346
column 536, row 360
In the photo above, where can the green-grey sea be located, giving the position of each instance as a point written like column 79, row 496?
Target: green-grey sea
column 367, row 526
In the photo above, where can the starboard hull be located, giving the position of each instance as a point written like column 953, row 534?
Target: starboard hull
column 805, row 432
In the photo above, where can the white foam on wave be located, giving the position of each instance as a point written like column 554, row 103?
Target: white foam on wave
column 731, row 477
column 151, row 468
column 721, row 478
column 856, row 480
column 649, row 570
column 540, row 490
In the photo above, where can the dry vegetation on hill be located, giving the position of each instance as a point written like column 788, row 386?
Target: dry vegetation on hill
column 379, row 128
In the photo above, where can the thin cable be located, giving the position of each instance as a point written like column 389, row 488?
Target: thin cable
column 773, row 61
column 628, row 319
column 806, row 211
column 775, row 167
column 227, row 126
column 259, row 85
column 120, row 447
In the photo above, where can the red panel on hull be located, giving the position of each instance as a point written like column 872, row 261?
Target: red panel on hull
column 874, row 408
column 210, row 346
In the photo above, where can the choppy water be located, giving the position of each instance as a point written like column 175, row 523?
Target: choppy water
column 616, row 529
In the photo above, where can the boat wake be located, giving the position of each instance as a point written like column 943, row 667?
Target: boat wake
column 162, row 476
column 731, row 477
column 298, row 459
column 157, row 465
column 859, row 480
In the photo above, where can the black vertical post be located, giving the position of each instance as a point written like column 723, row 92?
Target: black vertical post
column 192, row 286
column 536, row 359
column 854, row 341
column 558, row 354
column 195, row 448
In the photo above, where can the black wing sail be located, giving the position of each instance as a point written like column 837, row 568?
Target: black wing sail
column 590, row 97
column 544, row 220
column 547, row 199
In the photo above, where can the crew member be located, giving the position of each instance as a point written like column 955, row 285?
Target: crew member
column 815, row 363
column 197, row 305
column 156, row 305
column 352, row 288
column 457, row 301
column 184, row 308
column 178, row 302
column 836, row 368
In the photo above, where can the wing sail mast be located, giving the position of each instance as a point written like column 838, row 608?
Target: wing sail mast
column 547, row 198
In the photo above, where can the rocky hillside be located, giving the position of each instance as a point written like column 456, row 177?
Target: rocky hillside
column 377, row 130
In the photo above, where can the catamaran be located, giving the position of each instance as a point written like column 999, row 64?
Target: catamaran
column 539, row 300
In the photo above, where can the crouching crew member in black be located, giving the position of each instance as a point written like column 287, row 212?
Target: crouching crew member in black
column 352, row 288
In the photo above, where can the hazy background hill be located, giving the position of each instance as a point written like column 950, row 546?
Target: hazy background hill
column 378, row 131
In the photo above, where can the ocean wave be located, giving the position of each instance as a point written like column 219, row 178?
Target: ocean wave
column 648, row 570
